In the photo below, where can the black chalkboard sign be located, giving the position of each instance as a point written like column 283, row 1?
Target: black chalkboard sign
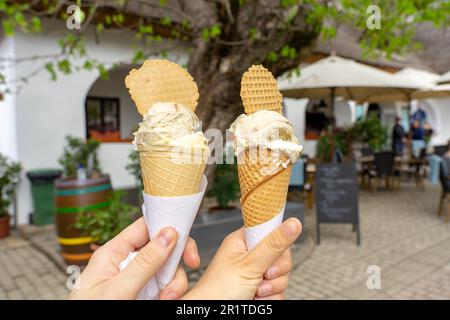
column 336, row 189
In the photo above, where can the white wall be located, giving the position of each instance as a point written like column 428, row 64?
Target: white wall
column 440, row 111
column 8, row 130
column 295, row 112
column 48, row 110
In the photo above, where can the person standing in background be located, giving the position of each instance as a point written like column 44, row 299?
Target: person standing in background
column 398, row 137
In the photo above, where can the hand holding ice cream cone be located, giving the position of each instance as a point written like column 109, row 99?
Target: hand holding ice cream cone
column 265, row 146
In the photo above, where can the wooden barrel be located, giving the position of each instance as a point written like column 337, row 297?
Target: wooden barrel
column 73, row 197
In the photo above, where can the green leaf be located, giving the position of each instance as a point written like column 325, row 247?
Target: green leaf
column 292, row 53
column 162, row 2
column 64, row 66
column 99, row 27
column 166, row 21
column 252, row 33
column 88, row 65
column 185, row 24
column 8, row 27
column 104, row 74
column 20, row 19
column 272, row 56
column 145, row 29
column 138, row 57
column 215, row 31
column 287, row 3
column 285, row 51
column 51, row 69
column 205, row 34
column 36, row 25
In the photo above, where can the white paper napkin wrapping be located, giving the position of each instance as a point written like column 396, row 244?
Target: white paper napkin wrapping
column 160, row 212
column 254, row 235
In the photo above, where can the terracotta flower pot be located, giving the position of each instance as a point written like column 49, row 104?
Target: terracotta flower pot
column 4, row 226
column 94, row 246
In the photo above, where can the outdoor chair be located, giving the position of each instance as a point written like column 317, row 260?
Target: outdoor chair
column 364, row 170
column 444, row 178
column 440, row 150
column 383, row 169
column 366, row 151
column 415, row 169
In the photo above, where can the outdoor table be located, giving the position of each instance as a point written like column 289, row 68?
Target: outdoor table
column 367, row 162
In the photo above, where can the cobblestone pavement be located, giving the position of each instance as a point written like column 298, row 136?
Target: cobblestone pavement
column 26, row 273
column 400, row 233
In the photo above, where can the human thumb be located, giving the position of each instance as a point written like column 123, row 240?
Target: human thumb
column 274, row 245
column 147, row 262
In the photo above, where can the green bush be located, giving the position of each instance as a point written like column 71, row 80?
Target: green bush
column 9, row 179
column 105, row 223
column 134, row 167
column 225, row 187
column 370, row 131
column 341, row 140
column 77, row 152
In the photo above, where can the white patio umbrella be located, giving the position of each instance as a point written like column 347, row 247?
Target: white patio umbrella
column 421, row 78
column 335, row 76
column 444, row 79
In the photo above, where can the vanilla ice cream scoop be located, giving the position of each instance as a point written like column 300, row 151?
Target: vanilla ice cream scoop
column 169, row 125
column 266, row 129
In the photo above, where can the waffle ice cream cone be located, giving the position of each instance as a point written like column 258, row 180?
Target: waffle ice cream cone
column 263, row 176
column 173, row 153
column 166, row 95
column 263, row 195
column 162, row 176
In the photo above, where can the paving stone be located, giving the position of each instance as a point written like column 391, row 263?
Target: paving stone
column 400, row 234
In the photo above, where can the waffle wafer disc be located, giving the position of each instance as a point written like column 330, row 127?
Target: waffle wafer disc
column 259, row 90
column 161, row 81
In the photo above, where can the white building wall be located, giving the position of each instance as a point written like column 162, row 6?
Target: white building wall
column 8, row 130
column 441, row 115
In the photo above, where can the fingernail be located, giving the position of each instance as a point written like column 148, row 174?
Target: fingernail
column 291, row 228
column 272, row 272
column 165, row 237
column 264, row 289
column 171, row 296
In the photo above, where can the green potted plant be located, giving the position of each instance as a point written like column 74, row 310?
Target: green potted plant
column 105, row 223
column 9, row 179
column 370, row 131
column 225, row 187
column 134, row 168
column 340, row 140
column 80, row 154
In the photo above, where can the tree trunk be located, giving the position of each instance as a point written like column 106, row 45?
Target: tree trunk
column 217, row 65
